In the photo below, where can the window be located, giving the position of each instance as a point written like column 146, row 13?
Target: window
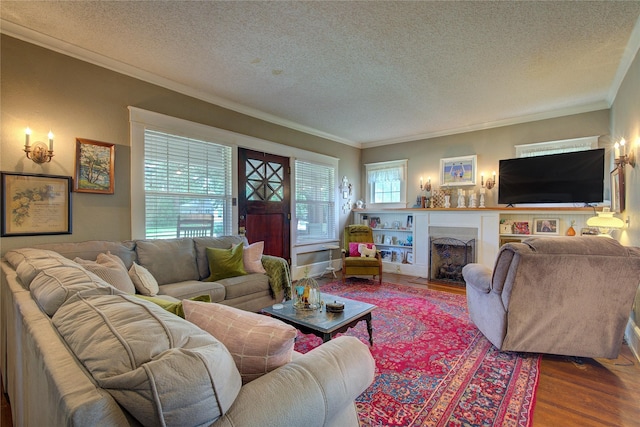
column 386, row 183
column 184, row 178
column 315, row 202
column 557, row 147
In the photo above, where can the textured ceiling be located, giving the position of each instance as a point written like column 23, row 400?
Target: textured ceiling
column 363, row 73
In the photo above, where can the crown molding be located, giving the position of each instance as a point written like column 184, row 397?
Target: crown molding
column 586, row 108
column 629, row 54
column 68, row 49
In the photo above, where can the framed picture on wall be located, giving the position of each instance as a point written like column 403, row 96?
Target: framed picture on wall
column 617, row 190
column 95, row 164
column 458, row 171
column 35, row 204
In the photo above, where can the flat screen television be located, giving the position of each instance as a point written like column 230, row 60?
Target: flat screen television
column 576, row 177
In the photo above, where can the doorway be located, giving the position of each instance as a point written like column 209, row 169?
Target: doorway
column 264, row 200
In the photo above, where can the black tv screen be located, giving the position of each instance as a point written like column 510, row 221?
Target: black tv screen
column 557, row 178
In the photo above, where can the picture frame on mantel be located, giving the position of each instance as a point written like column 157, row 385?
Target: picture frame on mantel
column 458, row 171
column 617, row 190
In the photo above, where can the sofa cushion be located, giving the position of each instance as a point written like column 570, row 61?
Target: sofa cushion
column 193, row 288
column 162, row 369
column 258, row 343
column 28, row 262
column 174, row 307
column 354, row 250
column 244, row 285
column 143, row 280
column 222, row 242
column 54, row 286
column 111, row 269
column 170, row 260
column 92, row 248
column 224, row 263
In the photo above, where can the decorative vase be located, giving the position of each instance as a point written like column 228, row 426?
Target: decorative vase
column 571, row 231
column 447, row 201
column 307, row 294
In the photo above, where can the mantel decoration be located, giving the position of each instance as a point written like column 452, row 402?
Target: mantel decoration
column 458, row 171
column 95, row 164
column 35, row 204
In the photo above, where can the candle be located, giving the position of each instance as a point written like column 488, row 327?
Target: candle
column 420, row 182
column 482, row 179
column 494, row 177
column 616, row 150
column 27, row 133
column 50, row 141
column 429, row 180
column 623, row 146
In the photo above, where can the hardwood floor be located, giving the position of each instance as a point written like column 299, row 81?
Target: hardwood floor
column 572, row 391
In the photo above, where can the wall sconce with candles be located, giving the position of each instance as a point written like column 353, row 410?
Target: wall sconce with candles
column 39, row 152
column 490, row 182
column 426, row 187
column 621, row 156
column 486, row 185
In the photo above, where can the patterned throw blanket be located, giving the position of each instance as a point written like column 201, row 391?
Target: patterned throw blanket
column 279, row 274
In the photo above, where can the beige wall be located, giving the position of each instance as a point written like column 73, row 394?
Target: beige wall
column 489, row 145
column 625, row 122
column 46, row 90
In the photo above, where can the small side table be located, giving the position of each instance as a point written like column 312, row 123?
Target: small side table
column 330, row 270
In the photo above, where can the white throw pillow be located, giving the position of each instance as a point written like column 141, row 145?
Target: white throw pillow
column 144, row 281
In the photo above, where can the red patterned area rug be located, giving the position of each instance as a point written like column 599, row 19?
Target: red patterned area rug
column 433, row 366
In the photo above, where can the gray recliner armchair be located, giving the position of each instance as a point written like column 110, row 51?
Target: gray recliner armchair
column 558, row 295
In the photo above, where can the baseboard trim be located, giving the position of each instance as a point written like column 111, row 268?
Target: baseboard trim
column 632, row 335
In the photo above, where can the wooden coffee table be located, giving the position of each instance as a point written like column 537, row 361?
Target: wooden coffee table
column 322, row 323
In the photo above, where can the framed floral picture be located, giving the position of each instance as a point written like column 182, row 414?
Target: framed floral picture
column 95, row 163
column 458, row 171
column 35, row 204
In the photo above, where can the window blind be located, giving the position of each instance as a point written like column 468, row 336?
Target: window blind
column 184, row 176
column 315, row 202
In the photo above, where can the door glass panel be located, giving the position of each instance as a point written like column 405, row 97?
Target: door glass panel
column 264, row 181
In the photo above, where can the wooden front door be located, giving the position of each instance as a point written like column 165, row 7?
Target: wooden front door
column 264, row 200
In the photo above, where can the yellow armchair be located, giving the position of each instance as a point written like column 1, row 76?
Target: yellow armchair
column 359, row 266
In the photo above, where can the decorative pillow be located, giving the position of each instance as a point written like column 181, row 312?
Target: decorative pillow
column 366, row 252
column 111, row 269
column 225, row 263
column 258, row 343
column 353, row 248
column 143, row 281
column 55, row 285
column 174, row 307
column 162, row 369
column 252, row 258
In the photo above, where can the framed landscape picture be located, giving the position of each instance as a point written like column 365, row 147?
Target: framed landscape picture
column 35, row 204
column 95, row 164
column 458, row 171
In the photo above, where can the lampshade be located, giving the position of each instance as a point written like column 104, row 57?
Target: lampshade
column 605, row 222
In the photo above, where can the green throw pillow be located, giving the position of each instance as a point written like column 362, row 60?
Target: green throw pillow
column 174, row 307
column 224, row 263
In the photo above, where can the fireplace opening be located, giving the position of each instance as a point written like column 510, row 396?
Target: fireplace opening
column 449, row 253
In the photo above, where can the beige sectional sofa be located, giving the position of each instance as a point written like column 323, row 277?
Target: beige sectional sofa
column 77, row 351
